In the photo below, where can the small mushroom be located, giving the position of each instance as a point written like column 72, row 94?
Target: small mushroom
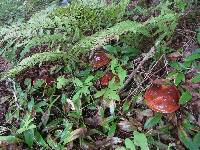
column 106, row 78
column 162, row 98
column 99, row 59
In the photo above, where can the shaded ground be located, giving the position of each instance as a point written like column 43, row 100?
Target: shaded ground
column 184, row 38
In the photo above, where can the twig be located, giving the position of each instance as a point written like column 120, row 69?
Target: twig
column 147, row 77
column 149, row 55
column 14, row 93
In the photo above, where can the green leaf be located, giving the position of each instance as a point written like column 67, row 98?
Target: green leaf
column 111, row 49
column 112, row 95
column 85, row 90
column 196, row 140
column 89, row 79
column 121, row 74
column 31, row 104
column 140, row 140
column 29, row 137
column 175, row 65
column 198, row 37
column 52, row 143
column 9, row 139
column 193, row 57
column 78, row 82
column 129, row 144
column 179, row 77
column 196, row 79
column 112, row 129
column 186, row 140
column 126, row 106
column 185, row 97
column 153, row 121
column 172, row 74
column 39, row 139
column 76, row 95
column 100, row 93
column 38, row 83
column 61, row 82
column 114, row 64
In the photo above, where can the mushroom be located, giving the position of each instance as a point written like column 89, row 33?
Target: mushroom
column 99, row 59
column 162, row 98
column 106, row 78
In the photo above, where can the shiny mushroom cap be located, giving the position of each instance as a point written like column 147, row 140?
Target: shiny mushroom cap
column 162, row 98
column 99, row 59
column 105, row 79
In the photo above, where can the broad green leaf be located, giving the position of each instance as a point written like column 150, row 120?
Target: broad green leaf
column 153, row 121
column 100, row 93
column 111, row 49
column 179, row 77
column 126, row 106
column 76, row 95
column 172, row 74
column 129, row 144
column 196, row 79
column 140, row 140
column 185, row 97
column 112, row 129
column 175, row 65
column 85, row 90
column 186, row 140
column 29, row 137
column 61, row 82
column 23, row 129
column 113, row 85
column 78, row 82
column 112, row 95
column 196, row 140
column 31, row 104
column 89, row 79
column 39, row 139
column 193, row 57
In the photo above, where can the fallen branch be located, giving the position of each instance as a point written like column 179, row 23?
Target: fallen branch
column 149, row 55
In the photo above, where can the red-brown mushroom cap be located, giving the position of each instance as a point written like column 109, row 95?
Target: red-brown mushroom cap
column 106, row 78
column 99, row 60
column 162, row 98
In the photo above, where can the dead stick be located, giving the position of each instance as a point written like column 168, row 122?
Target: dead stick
column 148, row 55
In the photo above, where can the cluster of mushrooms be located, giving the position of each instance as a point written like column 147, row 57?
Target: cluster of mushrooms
column 160, row 98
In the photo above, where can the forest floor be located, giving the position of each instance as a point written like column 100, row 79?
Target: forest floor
column 94, row 130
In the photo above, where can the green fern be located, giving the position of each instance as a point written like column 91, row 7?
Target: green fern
column 57, row 25
column 67, row 30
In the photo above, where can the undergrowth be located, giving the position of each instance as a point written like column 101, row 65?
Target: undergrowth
column 66, row 107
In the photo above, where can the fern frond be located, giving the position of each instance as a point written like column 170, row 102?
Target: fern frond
column 85, row 45
column 32, row 61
